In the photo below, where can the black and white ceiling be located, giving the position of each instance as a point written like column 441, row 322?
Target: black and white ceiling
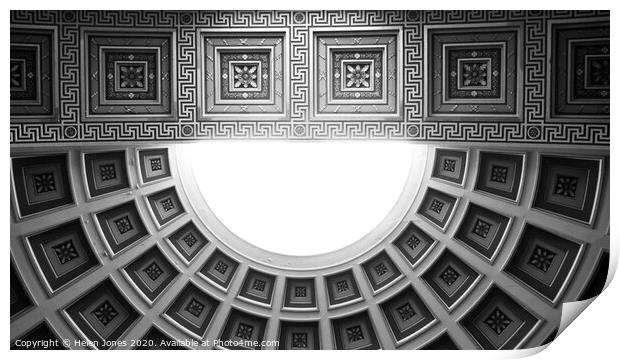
column 112, row 244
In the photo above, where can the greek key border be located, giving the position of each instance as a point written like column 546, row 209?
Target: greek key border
column 532, row 129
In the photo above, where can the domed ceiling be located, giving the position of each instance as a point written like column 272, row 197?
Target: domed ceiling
column 503, row 218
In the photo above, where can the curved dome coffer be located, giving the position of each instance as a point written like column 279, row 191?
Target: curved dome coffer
column 113, row 243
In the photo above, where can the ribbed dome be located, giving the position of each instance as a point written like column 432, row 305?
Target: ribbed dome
column 147, row 249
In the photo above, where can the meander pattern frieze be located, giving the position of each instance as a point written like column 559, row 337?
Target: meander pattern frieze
column 181, row 111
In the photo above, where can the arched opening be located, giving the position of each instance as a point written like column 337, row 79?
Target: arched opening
column 302, row 198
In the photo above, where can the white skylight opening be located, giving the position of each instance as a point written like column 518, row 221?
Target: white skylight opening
column 301, row 198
